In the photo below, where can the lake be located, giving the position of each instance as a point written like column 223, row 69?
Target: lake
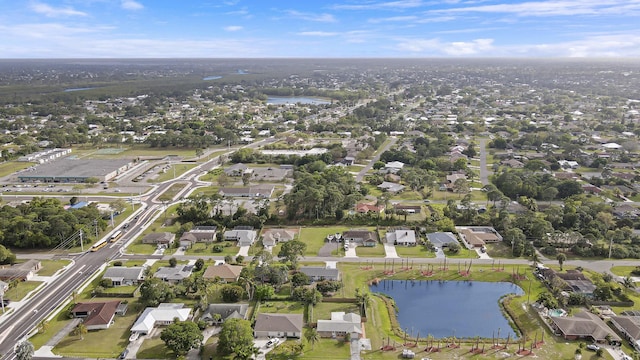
column 444, row 308
column 282, row 100
column 212, row 77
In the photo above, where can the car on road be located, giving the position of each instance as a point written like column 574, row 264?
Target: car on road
column 593, row 347
column 273, row 342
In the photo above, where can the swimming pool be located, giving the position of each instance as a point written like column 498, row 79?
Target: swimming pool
column 557, row 312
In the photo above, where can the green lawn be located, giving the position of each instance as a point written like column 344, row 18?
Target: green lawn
column 154, row 348
column 315, row 237
column 414, row 251
column 228, row 248
column 175, row 171
column 281, row 307
column 463, row 253
column 49, row 267
column 171, row 192
column 53, row 327
column 21, row 290
column 376, row 251
column 623, row 270
column 107, row 343
column 323, row 310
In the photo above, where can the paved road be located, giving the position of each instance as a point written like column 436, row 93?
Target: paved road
column 484, row 172
column 368, row 167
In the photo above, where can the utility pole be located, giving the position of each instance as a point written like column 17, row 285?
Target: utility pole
column 610, row 246
column 81, row 243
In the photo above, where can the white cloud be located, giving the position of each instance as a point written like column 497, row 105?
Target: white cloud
column 317, row 33
column 553, row 8
column 409, row 18
column 388, row 5
column 233, row 28
column 131, row 5
column 311, row 17
column 50, row 11
column 437, row 47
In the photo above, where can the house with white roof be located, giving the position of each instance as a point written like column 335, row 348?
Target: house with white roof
column 162, row 315
column 341, row 323
column 393, row 167
column 404, row 237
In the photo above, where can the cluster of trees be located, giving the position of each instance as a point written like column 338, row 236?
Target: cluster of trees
column 44, row 223
column 515, row 183
column 323, row 193
column 247, row 155
column 207, row 210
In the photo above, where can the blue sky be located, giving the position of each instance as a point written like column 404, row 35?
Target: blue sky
column 310, row 28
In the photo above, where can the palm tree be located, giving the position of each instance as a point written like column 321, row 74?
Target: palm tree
column 25, row 350
column 312, row 337
column 628, row 282
column 43, row 326
column 561, row 259
column 80, row 330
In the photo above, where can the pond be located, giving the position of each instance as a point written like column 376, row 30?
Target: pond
column 282, row 100
column 78, row 89
column 464, row 309
column 212, row 77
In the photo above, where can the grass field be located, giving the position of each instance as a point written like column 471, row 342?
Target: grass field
column 376, row 251
column 8, row 168
column 414, row 251
column 49, row 267
column 281, row 307
column 175, row 171
column 315, row 237
column 21, row 290
column 323, row 310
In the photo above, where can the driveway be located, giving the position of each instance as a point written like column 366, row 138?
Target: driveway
column 440, row 253
column 244, row 251
column 351, row 252
column 327, row 248
column 482, row 255
column 262, row 345
column 390, row 251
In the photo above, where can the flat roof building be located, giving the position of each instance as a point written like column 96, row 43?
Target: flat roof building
column 76, row 170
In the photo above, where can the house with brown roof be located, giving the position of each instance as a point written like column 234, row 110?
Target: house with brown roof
column 21, row 272
column 98, row 315
column 225, row 272
column 364, row 208
column 583, row 325
column 161, row 238
column 478, row 236
column 205, row 234
column 278, row 325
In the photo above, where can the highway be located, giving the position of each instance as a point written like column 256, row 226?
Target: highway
column 16, row 326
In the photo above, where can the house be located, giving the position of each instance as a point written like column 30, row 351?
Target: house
column 98, row 315
column 478, row 236
column 391, row 187
column 409, row 209
column 404, row 237
column 513, row 163
column 451, row 180
column 225, row 272
column 270, row 174
column 278, row 325
column 245, row 236
column 206, row 234
column 319, row 273
column 174, row 274
column 21, row 272
column 361, row 237
column 442, row 239
column 163, row 315
column 340, row 324
column 625, row 211
column 567, row 164
column 236, row 169
column 121, row 276
column 583, row 325
column 216, row 314
column 572, row 281
column 271, row 237
column 262, row 191
column 393, row 167
column 364, row 208
column 629, row 327
column 161, row 238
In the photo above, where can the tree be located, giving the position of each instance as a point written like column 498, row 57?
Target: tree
column 80, row 330
column 264, row 292
column 291, row 250
column 173, row 262
column 155, row 291
column 25, row 350
column 6, row 256
column 461, row 186
column 299, row 279
column 236, row 336
column 231, row 293
column 561, row 259
column 182, row 336
column 199, row 264
column 73, row 200
column 312, row 337
column 454, row 248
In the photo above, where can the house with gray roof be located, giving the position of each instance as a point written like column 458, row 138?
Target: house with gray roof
column 361, row 237
column 21, row 271
column 271, row 237
column 261, row 191
column 340, row 324
column 319, row 273
column 629, row 327
column 216, row 314
column 391, row 187
column 406, row 237
column 205, row 234
column 244, row 237
column 278, row 325
column 442, row 239
column 174, row 274
column 160, row 238
column 236, row 169
column 121, row 276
